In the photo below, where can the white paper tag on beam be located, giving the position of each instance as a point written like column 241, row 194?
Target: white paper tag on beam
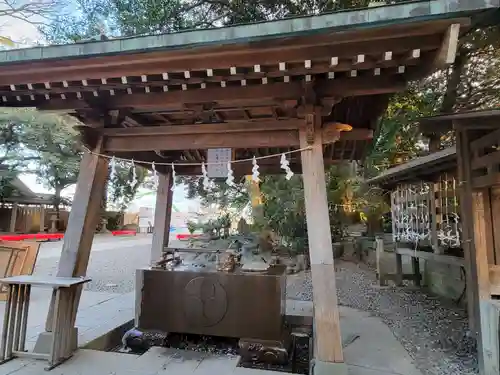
column 217, row 159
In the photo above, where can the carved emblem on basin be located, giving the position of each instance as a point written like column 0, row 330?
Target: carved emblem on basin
column 205, row 301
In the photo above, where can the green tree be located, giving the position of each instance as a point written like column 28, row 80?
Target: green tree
column 136, row 17
column 53, row 142
column 13, row 156
column 227, row 198
column 122, row 188
column 47, row 145
column 472, row 82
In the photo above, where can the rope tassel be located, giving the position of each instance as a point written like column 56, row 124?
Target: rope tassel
column 173, row 177
column 230, row 176
column 255, row 170
column 285, row 164
column 206, row 180
column 134, row 173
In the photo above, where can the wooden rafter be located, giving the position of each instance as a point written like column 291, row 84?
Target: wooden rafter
column 326, row 88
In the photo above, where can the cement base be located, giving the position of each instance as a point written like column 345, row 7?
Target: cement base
column 44, row 342
column 327, row 368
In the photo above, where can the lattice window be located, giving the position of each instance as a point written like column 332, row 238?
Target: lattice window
column 447, row 212
column 410, row 213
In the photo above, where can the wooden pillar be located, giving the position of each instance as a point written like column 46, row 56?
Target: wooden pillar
column 28, row 218
column 434, row 216
column 13, row 218
column 464, row 177
column 483, row 240
column 327, row 339
column 163, row 215
column 379, row 253
column 42, row 218
column 82, row 223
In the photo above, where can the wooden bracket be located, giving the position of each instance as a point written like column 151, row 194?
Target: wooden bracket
column 309, row 127
column 310, row 97
column 330, row 134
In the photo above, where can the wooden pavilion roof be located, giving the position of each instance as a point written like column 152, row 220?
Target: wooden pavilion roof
column 167, row 98
column 479, row 119
column 425, row 168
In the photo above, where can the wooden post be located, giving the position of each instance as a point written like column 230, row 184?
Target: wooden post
column 464, row 176
column 163, row 215
column 415, row 265
column 379, row 252
column 42, row 218
column 483, row 240
column 82, row 223
column 399, row 269
column 327, row 339
column 13, row 218
column 490, row 313
column 434, row 204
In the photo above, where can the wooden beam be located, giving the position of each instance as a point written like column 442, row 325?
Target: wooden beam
column 217, row 128
column 249, row 139
column 448, row 50
column 215, row 136
column 443, row 57
column 476, row 120
column 234, row 127
column 282, row 91
column 163, row 215
column 327, row 339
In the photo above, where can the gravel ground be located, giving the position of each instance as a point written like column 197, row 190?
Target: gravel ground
column 432, row 330
column 111, row 270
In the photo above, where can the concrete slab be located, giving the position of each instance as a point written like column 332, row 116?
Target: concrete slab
column 376, row 349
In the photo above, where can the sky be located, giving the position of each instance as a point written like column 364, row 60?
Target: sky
column 21, row 32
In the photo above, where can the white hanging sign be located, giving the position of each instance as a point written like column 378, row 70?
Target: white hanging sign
column 217, row 159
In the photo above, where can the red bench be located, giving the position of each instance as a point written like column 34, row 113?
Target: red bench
column 32, row 236
column 124, row 233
